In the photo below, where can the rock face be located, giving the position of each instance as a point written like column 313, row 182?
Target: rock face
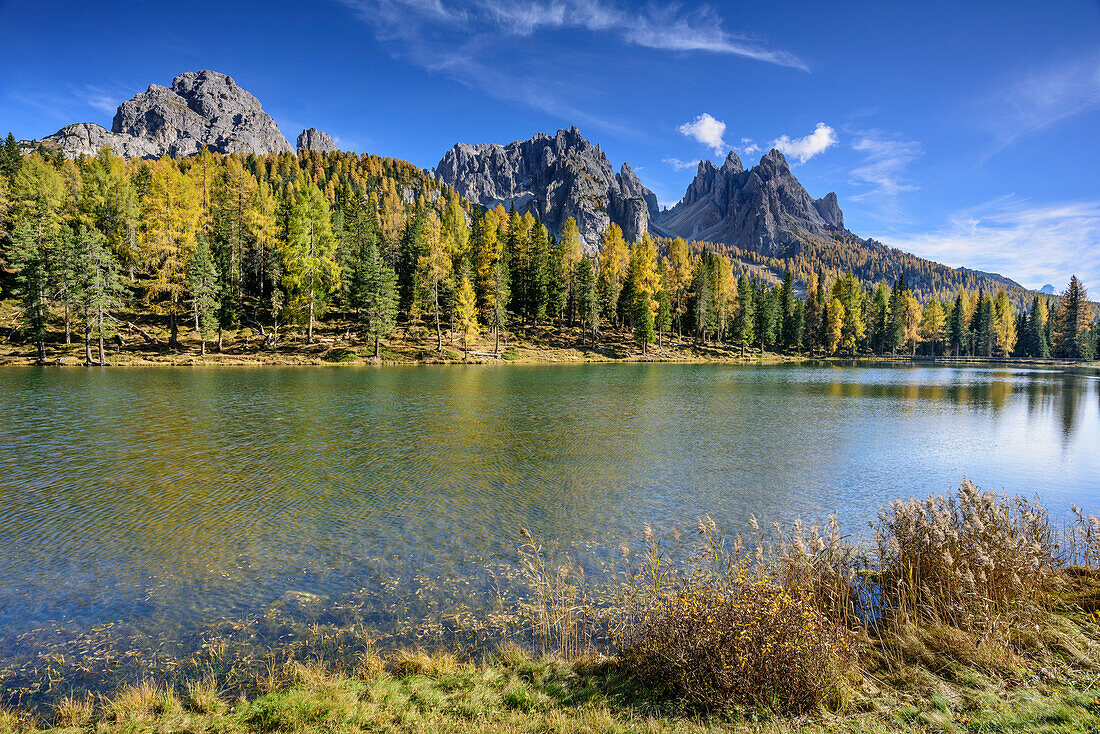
column 314, row 139
column 764, row 209
column 554, row 178
column 200, row 108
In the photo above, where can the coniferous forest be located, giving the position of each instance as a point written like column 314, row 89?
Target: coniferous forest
column 246, row 251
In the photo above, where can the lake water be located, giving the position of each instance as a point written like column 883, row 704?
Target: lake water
column 185, row 494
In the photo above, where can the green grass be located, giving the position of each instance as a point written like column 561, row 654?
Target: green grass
column 515, row 693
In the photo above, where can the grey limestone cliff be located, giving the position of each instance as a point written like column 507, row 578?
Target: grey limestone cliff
column 554, row 178
column 764, row 209
column 314, row 139
column 200, row 108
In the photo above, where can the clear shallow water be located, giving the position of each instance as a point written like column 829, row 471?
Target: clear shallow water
column 185, row 494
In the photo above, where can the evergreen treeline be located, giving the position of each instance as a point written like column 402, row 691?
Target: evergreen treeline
column 216, row 242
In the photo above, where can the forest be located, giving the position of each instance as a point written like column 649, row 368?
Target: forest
column 277, row 245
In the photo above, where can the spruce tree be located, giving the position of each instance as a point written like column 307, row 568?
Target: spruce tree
column 1073, row 333
column 744, row 321
column 786, row 310
column 28, row 255
column 589, row 302
column 100, row 290
column 205, row 292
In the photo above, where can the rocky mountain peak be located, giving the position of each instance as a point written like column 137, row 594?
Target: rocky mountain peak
column 314, row 139
column 200, row 108
column 732, row 164
column 554, row 178
column 764, row 208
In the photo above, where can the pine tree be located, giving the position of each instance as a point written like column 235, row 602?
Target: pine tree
column 850, row 293
column 310, row 272
column 64, row 265
column 411, row 251
column 205, row 292
column 1004, row 325
column 878, row 319
column 664, row 311
column 744, row 321
column 814, row 311
column 680, row 276
column 1038, row 346
column 466, row 311
column 169, row 220
column 11, row 158
column 498, row 297
column 370, row 283
column 614, row 261
column 834, row 329
column 932, row 325
column 766, row 308
column 435, row 270
column 786, row 310
column 645, row 283
column 895, row 333
column 983, row 326
column 28, row 255
column 100, row 290
column 571, row 254
column 377, row 297
column 957, row 325
column 589, row 302
column 557, row 281
column 725, row 294
column 1072, row 335
column 702, row 300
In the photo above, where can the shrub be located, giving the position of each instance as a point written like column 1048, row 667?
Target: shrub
column 966, row 559
column 748, row 643
column 510, row 354
column 340, row 355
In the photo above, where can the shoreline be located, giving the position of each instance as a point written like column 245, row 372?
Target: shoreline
column 549, row 346
column 929, row 657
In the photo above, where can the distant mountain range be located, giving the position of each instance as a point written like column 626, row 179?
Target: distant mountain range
column 763, row 211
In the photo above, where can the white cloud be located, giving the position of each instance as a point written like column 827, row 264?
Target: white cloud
column 822, row 138
column 708, row 131
column 1041, row 98
column 1031, row 243
column 748, row 147
column 680, row 165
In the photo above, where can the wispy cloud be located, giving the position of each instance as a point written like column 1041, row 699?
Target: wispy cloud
column 1031, row 243
column 658, row 27
column 477, row 42
column 822, row 138
column 680, row 165
column 707, row 130
column 1041, row 98
column 882, row 173
column 96, row 97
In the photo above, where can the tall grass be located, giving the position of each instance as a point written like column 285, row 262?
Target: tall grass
column 772, row 619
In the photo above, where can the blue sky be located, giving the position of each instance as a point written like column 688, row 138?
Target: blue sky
column 965, row 132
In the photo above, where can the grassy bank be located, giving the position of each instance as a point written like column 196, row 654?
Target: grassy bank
column 965, row 613
column 515, row 693
column 417, row 345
